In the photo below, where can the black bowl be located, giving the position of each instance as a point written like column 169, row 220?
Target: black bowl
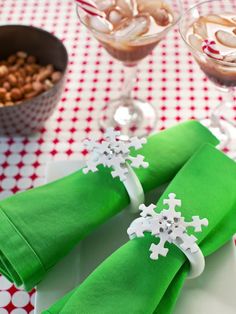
column 30, row 115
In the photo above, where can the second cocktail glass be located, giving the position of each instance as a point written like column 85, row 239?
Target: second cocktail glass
column 209, row 31
column 129, row 30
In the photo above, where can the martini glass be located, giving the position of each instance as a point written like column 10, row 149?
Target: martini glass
column 133, row 116
column 221, row 72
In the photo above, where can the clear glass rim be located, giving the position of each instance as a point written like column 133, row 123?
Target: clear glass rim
column 153, row 36
column 226, row 63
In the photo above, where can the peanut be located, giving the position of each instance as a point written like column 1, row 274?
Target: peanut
column 11, row 59
column 12, row 79
column 48, row 84
column 7, row 86
column 20, row 61
column 2, row 93
column 27, row 88
column 8, row 96
column 29, row 69
column 31, row 95
column 37, row 86
column 21, row 54
column 56, row 76
column 21, row 78
column 16, row 94
column 44, row 74
column 3, row 71
column 31, row 59
column 28, row 79
column 13, row 68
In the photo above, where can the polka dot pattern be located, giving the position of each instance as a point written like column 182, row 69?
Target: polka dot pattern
column 169, row 78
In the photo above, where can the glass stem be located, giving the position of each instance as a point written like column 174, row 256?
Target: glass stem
column 228, row 100
column 130, row 76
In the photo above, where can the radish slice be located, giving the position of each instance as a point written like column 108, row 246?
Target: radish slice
column 209, row 47
column 226, row 38
column 216, row 19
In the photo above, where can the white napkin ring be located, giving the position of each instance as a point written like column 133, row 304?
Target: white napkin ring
column 170, row 226
column 115, row 153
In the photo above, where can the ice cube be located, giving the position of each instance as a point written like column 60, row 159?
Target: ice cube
column 115, row 16
column 200, row 29
column 104, row 5
column 159, row 10
column 161, row 16
column 132, row 28
column 231, row 57
column 217, row 19
column 149, row 6
column 195, row 42
column 100, row 24
column 226, row 38
column 125, row 6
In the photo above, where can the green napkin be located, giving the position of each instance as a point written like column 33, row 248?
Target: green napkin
column 129, row 281
column 40, row 226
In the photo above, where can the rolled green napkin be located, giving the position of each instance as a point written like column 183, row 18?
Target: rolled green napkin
column 129, row 281
column 40, row 226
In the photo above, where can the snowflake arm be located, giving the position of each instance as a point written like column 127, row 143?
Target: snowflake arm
column 138, row 227
column 168, row 226
column 138, row 161
column 114, row 153
column 147, row 210
column 197, row 223
column 159, row 249
column 189, row 243
column 91, row 166
column 137, row 143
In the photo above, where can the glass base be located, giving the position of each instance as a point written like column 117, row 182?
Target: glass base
column 225, row 132
column 133, row 117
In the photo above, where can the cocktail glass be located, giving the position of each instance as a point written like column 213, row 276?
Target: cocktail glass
column 133, row 116
column 221, row 72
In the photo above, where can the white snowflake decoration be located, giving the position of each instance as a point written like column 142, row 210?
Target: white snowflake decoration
column 114, row 153
column 168, row 226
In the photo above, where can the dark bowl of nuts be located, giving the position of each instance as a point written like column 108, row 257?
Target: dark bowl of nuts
column 33, row 65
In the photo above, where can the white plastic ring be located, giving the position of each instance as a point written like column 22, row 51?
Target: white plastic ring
column 134, row 189
column 170, row 226
column 196, row 260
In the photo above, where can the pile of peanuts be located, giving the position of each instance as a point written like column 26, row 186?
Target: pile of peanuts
column 22, row 78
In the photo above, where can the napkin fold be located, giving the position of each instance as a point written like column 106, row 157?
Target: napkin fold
column 40, row 226
column 129, row 281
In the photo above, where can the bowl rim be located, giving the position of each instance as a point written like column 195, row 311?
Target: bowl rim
column 34, row 28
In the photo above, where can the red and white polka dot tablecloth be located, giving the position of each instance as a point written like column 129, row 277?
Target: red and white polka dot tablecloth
column 169, row 79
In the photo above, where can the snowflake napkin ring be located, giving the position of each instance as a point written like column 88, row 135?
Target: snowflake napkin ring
column 114, row 153
column 170, row 226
